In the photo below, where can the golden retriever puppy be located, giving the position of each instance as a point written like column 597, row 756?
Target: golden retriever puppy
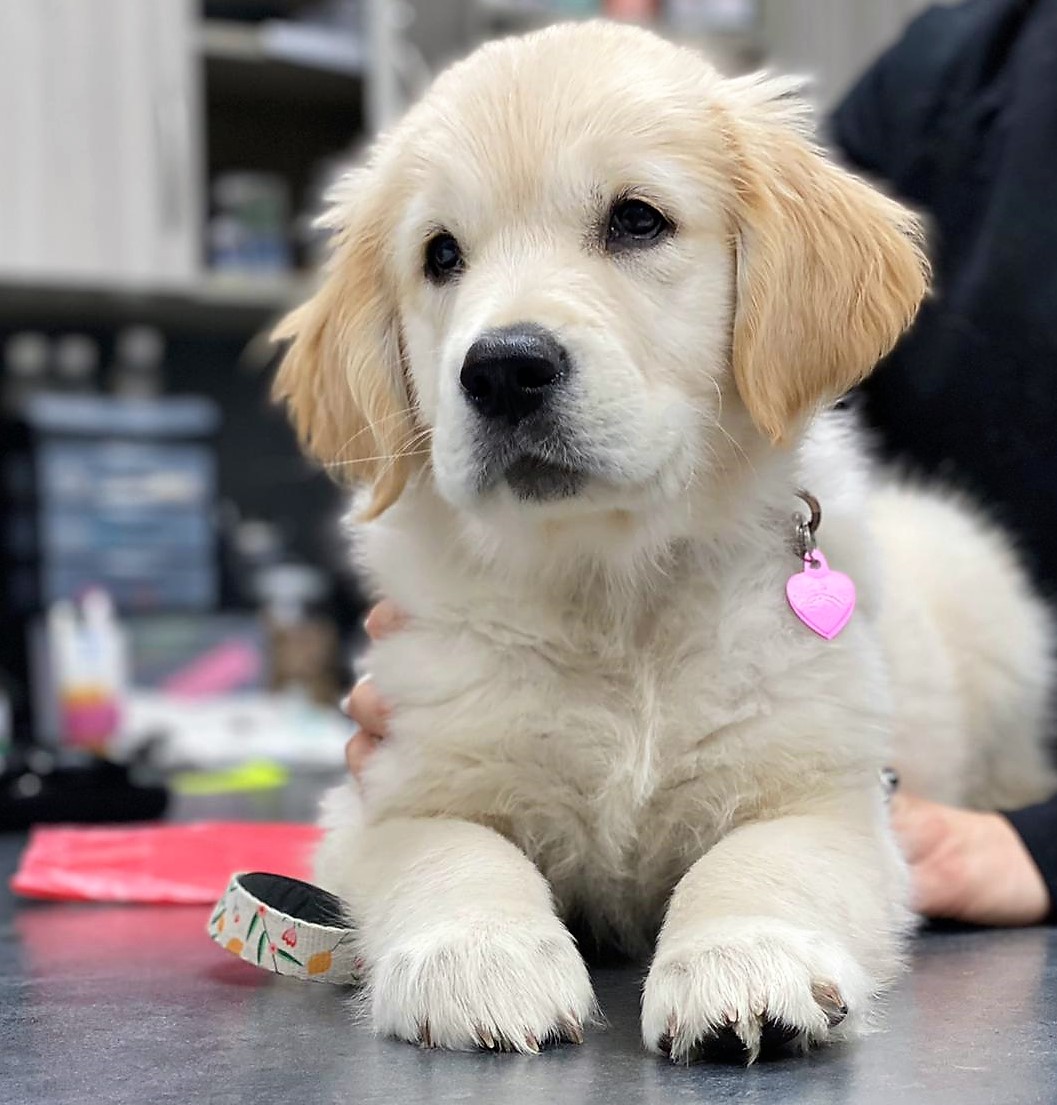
column 587, row 305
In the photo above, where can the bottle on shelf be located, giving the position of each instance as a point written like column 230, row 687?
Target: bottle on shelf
column 75, row 365
column 250, row 230
column 138, row 368
column 26, row 357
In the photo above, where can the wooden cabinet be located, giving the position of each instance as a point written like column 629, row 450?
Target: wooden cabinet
column 102, row 136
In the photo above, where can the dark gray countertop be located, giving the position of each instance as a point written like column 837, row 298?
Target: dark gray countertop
column 101, row 1004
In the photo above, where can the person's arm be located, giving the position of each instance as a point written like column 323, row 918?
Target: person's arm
column 905, row 116
column 1037, row 828
column 979, row 868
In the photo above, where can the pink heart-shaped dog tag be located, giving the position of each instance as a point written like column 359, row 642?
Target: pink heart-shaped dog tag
column 824, row 600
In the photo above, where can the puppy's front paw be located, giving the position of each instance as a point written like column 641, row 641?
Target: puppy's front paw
column 744, row 984
column 500, row 984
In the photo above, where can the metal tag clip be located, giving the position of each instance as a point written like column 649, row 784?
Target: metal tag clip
column 807, row 526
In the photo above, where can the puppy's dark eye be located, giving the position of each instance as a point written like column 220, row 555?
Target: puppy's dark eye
column 635, row 222
column 444, row 258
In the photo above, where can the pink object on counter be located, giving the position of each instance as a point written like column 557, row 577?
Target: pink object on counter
column 90, row 723
column 630, row 9
column 222, row 669
column 158, row 864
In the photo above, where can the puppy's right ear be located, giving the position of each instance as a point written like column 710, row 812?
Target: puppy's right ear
column 342, row 376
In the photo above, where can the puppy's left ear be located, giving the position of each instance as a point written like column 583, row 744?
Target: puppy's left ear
column 829, row 271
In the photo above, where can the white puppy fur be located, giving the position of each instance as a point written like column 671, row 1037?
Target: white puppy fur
column 603, row 708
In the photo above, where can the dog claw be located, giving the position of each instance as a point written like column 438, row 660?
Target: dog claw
column 572, row 1029
column 832, row 1003
column 664, row 1044
column 485, row 1039
column 532, row 1044
column 424, row 1036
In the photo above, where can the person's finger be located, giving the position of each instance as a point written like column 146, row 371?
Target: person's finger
column 385, row 618
column 365, row 706
column 916, row 824
column 359, row 750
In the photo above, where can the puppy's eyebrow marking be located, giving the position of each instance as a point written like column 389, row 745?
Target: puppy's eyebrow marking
column 434, row 227
column 599, row 204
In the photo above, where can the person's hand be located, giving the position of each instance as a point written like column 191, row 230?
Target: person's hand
column 968, row 866
column 363, row 703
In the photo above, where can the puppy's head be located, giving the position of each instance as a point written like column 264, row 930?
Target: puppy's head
column 577, row 262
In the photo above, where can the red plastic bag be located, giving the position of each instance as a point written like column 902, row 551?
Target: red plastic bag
column 158, row 864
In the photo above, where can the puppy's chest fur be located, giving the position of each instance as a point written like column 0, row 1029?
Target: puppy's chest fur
column 612, row 752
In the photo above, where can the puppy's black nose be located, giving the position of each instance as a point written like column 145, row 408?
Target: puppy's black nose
column 508, row 373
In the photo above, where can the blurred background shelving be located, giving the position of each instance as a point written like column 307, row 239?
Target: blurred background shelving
column 150, row 132
column 275, row 46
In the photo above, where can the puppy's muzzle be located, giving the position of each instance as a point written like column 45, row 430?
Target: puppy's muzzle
column 511, row 373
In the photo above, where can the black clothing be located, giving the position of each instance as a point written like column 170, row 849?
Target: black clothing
column 959, row 119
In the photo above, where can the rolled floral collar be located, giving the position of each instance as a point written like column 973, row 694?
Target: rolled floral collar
column 286, row 926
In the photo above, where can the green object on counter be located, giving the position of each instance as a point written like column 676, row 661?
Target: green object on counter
column 254, row 775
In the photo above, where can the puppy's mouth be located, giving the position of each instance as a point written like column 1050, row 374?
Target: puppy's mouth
column 540, row 461
column 534, row 480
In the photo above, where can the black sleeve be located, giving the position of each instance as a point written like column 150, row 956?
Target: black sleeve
column 894, row 122
column 886, row 122
column 1037, row 826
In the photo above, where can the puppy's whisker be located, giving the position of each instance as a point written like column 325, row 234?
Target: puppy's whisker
column 714, row 419
column 376, row 424
column 410, row 448
column 391, row 458
column 738, row 448
column 405, row 449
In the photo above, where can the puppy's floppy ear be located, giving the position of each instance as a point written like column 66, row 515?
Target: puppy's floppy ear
column 829, row 271
column 342, row 376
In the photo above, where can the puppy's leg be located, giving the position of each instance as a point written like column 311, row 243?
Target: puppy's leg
column 461, row 944
column 782, row 933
